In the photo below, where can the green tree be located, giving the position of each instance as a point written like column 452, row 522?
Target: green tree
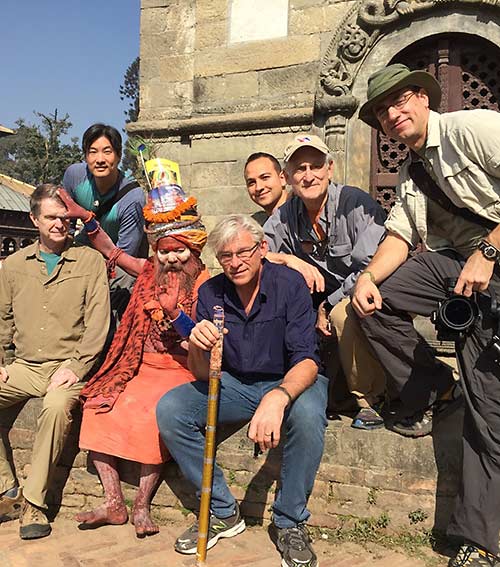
column 129, row 91
column 35, row 153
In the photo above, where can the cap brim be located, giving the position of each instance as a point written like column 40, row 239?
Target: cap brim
column 286, row 157
column 415, row 78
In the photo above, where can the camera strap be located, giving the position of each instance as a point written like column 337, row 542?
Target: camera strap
column 423, row 180
column 105, row 207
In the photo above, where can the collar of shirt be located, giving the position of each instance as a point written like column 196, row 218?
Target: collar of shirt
column 433, row 132
column 229, row 295
column 98, row 197
column 33, row 252
column 306, row 230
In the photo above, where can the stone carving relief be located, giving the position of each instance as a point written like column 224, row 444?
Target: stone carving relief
column 353, row 43
column 354, row 38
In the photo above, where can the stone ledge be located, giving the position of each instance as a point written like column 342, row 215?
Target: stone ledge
column 362, row 475
column 224, row 122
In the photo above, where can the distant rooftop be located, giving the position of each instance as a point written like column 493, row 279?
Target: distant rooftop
column 4, row 131
column 14, row 194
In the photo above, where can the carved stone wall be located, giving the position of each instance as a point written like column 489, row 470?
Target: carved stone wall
column 210, row 101
column 372, row 33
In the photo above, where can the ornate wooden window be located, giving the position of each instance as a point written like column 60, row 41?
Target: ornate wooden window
column 468, row 70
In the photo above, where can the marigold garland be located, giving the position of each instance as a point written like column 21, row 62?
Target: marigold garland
column 169, row 216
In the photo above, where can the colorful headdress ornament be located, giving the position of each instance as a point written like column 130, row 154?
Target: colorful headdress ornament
column 168, row 211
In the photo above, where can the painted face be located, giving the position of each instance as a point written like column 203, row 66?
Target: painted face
column 241, row 259
column 404, row 115
column 52, row 225
column 265, row 185
column 101, row 158
column 172, row 254
column 309, row 173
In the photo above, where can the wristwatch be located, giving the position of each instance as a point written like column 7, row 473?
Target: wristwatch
column 489, row 251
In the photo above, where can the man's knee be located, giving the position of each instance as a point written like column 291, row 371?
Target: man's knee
column 58, row 405
column 339, row 316
column 308, row 411
column 169, row 410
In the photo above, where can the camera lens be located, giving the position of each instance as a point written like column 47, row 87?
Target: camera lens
column 457, row 313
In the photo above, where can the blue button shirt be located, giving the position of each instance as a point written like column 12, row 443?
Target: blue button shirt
column 279, row 331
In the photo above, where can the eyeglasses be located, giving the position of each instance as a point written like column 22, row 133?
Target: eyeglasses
column 245, row 254
column 317, row 249
column 398, row 104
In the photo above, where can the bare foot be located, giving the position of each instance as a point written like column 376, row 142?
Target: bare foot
column 103, row 515
column 143, row 523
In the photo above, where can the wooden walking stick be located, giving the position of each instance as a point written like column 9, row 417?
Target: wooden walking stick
column 209, row 456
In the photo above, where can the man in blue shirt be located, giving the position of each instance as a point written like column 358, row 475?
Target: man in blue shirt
column 98, row 183
column 98, row 180
column 269, row 377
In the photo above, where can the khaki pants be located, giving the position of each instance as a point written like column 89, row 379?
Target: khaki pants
column 364, row 374
column 30, row 380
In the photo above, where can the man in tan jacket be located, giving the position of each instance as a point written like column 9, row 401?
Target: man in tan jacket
column 448, row 198
column 54, row 309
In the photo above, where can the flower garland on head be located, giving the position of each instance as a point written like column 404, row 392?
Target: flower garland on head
column 169, row 216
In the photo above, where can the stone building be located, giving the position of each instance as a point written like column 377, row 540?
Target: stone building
column 223, row 78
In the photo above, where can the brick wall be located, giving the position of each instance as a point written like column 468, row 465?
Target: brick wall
column 362, row 475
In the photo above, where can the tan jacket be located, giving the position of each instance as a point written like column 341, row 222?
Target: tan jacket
column 462, row 152
column 64, row 316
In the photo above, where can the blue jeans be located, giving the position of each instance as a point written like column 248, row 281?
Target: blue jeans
column 181, row 415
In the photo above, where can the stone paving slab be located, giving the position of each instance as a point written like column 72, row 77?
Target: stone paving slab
column 117, row 546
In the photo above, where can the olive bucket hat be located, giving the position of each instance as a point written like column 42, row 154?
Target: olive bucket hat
column 394, row 78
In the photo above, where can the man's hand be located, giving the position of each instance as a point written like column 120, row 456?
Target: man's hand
column 62, row 378
column 4, row 375
column 322, row 321
column 314, row 280
column 265, row 427
column 74, row 209
column 366, row 298
column 168, row 295
column 475, row 275
column 204, row 335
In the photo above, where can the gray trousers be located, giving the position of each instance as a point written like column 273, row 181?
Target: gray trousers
column 418, row 378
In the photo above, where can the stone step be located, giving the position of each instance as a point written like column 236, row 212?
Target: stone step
column 378, row 477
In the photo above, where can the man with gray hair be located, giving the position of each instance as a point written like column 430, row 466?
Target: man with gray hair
column 269, row 377
column 336, row 229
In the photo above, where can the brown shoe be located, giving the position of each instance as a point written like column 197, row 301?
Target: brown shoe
column 10, row 508
column 33, row 523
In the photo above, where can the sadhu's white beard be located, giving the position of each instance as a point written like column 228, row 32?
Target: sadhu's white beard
column 187, row 274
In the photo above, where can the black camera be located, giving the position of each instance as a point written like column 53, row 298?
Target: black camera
column 455, row 315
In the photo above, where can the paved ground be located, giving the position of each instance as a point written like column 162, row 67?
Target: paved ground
column 113, row 546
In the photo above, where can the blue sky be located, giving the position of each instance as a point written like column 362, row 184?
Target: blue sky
column 66, row 54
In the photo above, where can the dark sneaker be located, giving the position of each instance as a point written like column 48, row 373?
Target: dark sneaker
column 10, row 507
column 471, row 556
column 294, row 544
column 368, row 419
column 218, row 528
column 33, row 523
column 417, row 425
column 420, row 423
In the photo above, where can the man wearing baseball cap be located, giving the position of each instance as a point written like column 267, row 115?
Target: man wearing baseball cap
column 448, row 199
column 335, row 229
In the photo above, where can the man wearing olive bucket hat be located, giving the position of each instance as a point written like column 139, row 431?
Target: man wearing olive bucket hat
column 447, row 198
